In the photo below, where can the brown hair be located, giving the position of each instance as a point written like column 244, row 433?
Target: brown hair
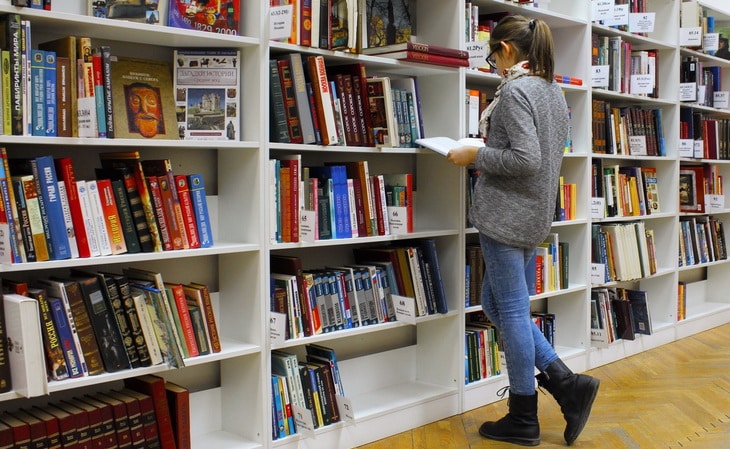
column 532, row 39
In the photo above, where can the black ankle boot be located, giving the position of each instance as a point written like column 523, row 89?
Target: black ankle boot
column 575, row 394
column 520, row 426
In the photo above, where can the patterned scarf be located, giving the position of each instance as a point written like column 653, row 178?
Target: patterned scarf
column 516, row 71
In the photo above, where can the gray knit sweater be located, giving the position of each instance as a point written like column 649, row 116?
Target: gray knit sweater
column 514, row 197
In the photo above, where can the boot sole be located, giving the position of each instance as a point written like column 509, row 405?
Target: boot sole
column 586, row 406
column 520, row 441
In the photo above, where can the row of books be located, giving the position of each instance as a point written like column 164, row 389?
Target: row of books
column 627, row 191
column 88, row 323
column 336, row 200
column 629, row 71
column 132, row 206
column 145, row 412
column 312, row 385
column 566, row 202
column 312, row 103
column 628, row 130
column 701, row 240
column 326, row 24
column 625, row 251
column 482, row 351
column 321, row 300
column 71, row 88
column 618, row 313
column 712, row 132
column 614, row 9
column 700, row 82
column 681, row 300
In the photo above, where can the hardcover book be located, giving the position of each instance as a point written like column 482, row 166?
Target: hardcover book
column 142, row 98
column 55, row 361
column 154, row 386
column 388, row 22
column 143, row 11
column 178, row 399
column 6, row 383
column 25, row 346
column 207, row 93
column 216, row 17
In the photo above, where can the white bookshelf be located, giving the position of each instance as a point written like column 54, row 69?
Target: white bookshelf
column 397, row 376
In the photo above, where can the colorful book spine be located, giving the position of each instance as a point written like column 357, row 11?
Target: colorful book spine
column 98, row 85
column 45, row 173
column 38, row 92
column 196, row 184
column 186, row 207
column 50, row 85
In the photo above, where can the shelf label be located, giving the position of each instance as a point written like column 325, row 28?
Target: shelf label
column 405, row 309
column 641, row 22
column 701, row 95
column 5, row 253
column 711, row 41
column 699, row 149
column 620, row 16
column 398, row 220
column 304, row 421
column 598, row 273
column 686, row 148
column 598, row 208
column 477, row 54
column 687, row 92
column 720, row 99
column 599, row 75
column 637, row 146
column 345, row 406
column 690, row 37
column 602, row 10
column 714, row 204
column 642, row 84
column 280, row 20
column 277, row 328
column 307, row 225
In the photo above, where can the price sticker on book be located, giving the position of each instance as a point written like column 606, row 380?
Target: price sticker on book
column 405, row 309
column 600, row 75
column 690, row 37
column 345, row 406
column 686, row 148
column 641, row 22
column 711, row 41
column 687, row 92
column 277, row 328
column 304, row 420
column 720, row 99
column 280, row 21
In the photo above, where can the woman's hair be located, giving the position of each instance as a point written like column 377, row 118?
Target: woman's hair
column 531, row 38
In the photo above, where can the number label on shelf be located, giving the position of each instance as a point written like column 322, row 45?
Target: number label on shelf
column 690, row 37
column 280, row 20
column 405, row 309
column 687, row 92
column 345, row 406
column 598, row 208
column 641, row 22
column 711, row 41
column 598, row 273
column 277, row 328
column 714, row 204
column 720, row 99
column 304, row 421
column 307, row 225
column 600, row 75
column 686, row 148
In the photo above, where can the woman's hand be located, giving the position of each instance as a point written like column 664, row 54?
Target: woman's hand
column 462, row 156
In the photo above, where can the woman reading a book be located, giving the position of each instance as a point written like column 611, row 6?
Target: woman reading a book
column 514, row 200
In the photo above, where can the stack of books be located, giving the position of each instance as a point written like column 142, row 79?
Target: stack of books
column 421, row 52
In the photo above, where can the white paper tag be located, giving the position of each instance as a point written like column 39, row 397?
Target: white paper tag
column 641, row 22
column 714, row 204
column 598, row 273
column 398, row 220
column 686, row 148
column 307, row 225
column 304, row 421
column 637, row 145
column 477, row 54
column 6, row 256
column 405, row 309
column 277, row 328
column 280, row 20
column 720, row 99
column 620, row 16
column 642, row 84
column 598, row 208
column 599, row 75
column 345, row 406
column 699, row 149
column 690, row 37
column 602, row 10
column 687, row 92
column 701, row 94
column 711, row 41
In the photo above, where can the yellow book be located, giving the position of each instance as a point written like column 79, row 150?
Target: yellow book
column 7, row 121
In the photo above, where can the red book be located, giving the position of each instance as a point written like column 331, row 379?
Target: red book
column 294, row 163
column 147, row 412
column 417, row 47
column 186, row 205
column 176, row 225
column 136, row 430
column 20, row 430
column 290, row 102
column 6, row 436
column 178, row 399
column 322, row 99
column 429, row 58
column 154, row 188
column 120, row 419
column 108, row 431
column 52, row 429
column 207, row 307
column 178, row 295
column 154, row 386
column 96, row 425
column 111, row 216
column 66, row 426
column 65, row 172
column 82, row 424
column 36, row 428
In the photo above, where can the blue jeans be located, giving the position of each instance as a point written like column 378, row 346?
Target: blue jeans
column 506, row 302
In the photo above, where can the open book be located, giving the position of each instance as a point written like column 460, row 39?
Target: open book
column 442, row 145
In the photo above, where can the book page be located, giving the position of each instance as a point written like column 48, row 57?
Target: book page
column 442, row 145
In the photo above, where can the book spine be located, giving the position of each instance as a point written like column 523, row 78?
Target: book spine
column 155, row 387
column 106, row 66
column 278, row 128
column 46, row 175
column 179, row 402
column 138, row 213
column 64, row 126
column 133, row 319
column 215, row 342
column 120, row 318
column 97, row 214
column 25, row 228
column 67, row 219
column 323, row 100
column 290, row 103
column 7, row 92
column 186, row 207
column 145, row 322
column 188, row 331
column 88, row 218
column 50, row 86
column 84, row 331
column 38, row 92
column 112, row 220
column 55, row 360
column 159, row 210
column 27, row 198
column 300, row 92
column 98, row 89
column 129, row 230
column 13, row 38
column 173, row 211
column 196, row 184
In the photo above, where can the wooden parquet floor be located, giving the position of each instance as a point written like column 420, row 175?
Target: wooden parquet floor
column 676, row 396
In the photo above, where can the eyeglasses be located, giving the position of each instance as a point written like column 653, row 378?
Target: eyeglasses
column 490, row 58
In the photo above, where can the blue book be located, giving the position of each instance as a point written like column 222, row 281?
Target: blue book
column 200, row 208
column 49, row 76
column 430, row 256
column 338, row 174
column 45, row 172
column 63, row 329
column 38, row 92
column 278, row 408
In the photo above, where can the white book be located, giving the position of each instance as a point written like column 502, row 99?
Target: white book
column 148, row 329
column 67, row 220
column 97, row 215
column 353, row 207
column 442, row 145
column 91, row 234
column 25, row 345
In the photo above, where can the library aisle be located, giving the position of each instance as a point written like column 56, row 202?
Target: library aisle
column 671, row 397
